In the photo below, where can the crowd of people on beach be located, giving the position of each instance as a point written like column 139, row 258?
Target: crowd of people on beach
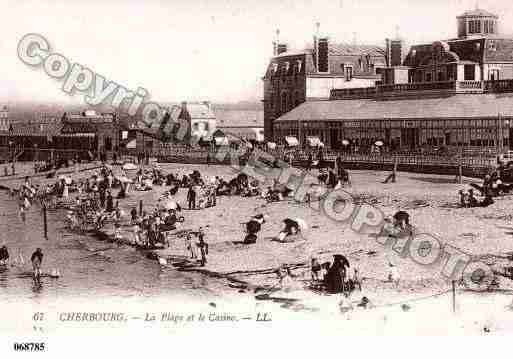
column 492, row 186
column 92, row 202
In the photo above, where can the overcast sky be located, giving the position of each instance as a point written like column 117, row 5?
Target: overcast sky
column 213, row 50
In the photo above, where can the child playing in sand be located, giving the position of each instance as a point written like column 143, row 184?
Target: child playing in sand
column 189, row 247
column 117, row 232
column 393, row 274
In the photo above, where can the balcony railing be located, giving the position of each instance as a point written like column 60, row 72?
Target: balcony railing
column 451, row 87
column 418, row 86
column 353, row 93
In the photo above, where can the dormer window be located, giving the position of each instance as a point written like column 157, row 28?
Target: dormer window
column 299, row 64
column 287, row 67
column 491, row 45
column 275, row 68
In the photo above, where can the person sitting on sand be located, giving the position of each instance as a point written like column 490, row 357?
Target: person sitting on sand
column 472, row 200
column 488, row 200
column 4, row 255
column 253, row 226
column 291, row 228
column 463, row 199
column 170, row 221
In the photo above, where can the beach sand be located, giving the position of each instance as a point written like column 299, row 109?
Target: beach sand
column 431, row 201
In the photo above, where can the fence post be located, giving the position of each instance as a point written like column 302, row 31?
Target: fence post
column 394, row 173
column 454, row 296
column 45, row 225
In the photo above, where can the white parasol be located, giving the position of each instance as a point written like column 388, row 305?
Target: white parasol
column 302, row 224
column 379, row 143
column 129, row 166
column 345, row 142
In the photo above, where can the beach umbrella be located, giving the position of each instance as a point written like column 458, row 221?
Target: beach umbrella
column 379, row 143
column 345, row 142
column 302, row 224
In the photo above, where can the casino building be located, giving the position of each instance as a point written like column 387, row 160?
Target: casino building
column 293, row 77
column 455, row 93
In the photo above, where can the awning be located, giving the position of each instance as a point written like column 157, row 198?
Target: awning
column 271, row 145
column 314, row 141
column 77, row 134
column 291, row 141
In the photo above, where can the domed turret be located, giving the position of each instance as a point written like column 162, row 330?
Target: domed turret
column 477, row 22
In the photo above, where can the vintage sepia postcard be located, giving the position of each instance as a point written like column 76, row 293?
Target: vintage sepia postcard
column 186, row 176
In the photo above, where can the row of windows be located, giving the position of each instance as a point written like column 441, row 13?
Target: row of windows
column 443, row 74
column 478, row 26
column 287, row 68
column 347, row 70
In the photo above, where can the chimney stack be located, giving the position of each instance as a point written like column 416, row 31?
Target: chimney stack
column 276, row 42
column 394, row 52
column 281, row 48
